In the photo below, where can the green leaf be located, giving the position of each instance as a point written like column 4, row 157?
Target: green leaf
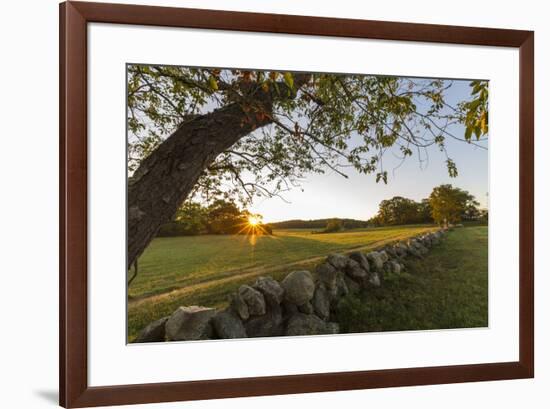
column 468, row 134
column 477, row 131
column 484, row 124
column 475, row 104
column 451, row 167
column 213, row 83
column 289, row 80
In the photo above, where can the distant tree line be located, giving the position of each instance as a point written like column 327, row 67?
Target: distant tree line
column 220, row 217
column 320, row 224
column 445, row 205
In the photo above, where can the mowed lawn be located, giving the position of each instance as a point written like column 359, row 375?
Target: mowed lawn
column 447, row 289
column 204, row 270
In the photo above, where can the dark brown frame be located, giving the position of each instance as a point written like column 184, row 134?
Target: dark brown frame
column 73, row 386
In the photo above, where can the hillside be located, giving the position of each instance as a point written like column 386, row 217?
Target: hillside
column 317, row 223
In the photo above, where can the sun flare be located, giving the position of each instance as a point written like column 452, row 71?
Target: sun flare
column 253, row 220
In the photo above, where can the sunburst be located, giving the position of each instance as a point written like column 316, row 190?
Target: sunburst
column 254, row 221
column 253, row 227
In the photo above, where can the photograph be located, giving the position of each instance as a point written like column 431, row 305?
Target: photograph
column 266, row 203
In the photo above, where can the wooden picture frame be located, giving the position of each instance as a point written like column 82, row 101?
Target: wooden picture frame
column 73, row 333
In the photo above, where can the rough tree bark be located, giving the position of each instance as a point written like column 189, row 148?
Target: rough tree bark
column 166, row 177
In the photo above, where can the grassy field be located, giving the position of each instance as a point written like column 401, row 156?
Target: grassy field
column 447, row 289
column 203, row 270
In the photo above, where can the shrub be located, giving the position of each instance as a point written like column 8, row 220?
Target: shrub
column 173, row 229
column 333, row 226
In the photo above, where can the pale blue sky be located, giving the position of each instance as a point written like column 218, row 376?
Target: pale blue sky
column 331, row 195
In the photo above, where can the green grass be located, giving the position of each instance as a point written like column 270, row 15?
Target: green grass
column 204, row 270
column 175, row 262
column 447, row 289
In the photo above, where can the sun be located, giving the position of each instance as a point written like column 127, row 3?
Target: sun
column 253, row 220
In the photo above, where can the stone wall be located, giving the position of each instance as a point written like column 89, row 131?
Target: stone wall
column 301, row 304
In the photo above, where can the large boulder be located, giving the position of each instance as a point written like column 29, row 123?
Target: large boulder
column 253, row 299
column 271, row 290
column 154, row 332
column 338, row 261
column 299, row 287
column 355, row 271
column 361, row 258
column 373, row 279
column 395, row 266
column 306, row 308
column 326, row 274
column 240, row 308
column 400, row 250
column 413, row 251
column 341, row 286
column 376, row 260
column 390, row 250
column 321, row 302
column 190, row 323
column 289, row 308
column 227, row 325
column 418, row 246
column 387, row 270
column 352, row 285
column 268, row 325
column 413, row 248
column 304, row 324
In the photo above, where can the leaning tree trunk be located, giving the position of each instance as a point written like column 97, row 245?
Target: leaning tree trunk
column 166, row 177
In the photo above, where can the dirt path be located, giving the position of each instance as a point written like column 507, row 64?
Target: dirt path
column 247, row 273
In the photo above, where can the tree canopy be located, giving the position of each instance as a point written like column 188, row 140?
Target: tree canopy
column 450, row 204
column 326, row 122
column 399, row 210
column 445, row 205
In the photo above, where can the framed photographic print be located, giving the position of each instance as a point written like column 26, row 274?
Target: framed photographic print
column 257, row 204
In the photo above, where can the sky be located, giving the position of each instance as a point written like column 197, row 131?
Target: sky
column 331, row 195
